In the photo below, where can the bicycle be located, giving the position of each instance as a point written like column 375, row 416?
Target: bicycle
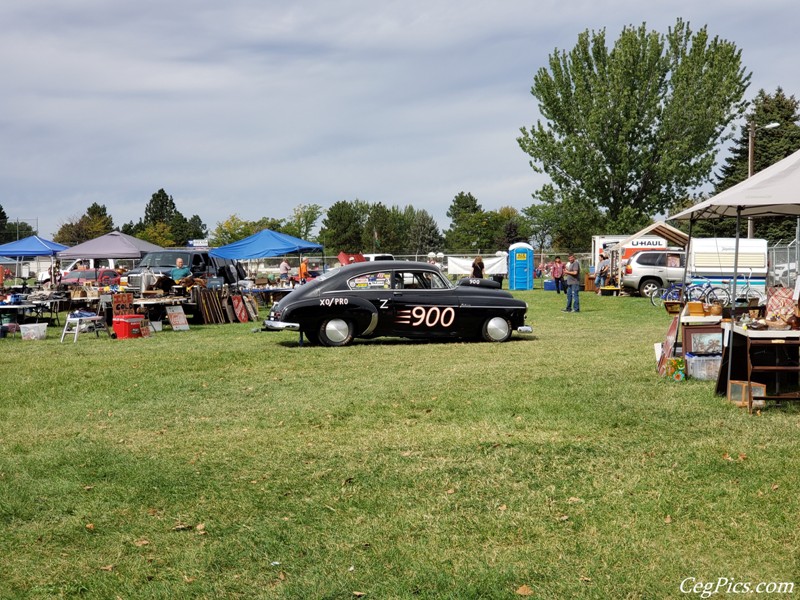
column 707, row 293
column 674, row 293
column 704, row 292
column 747, row 294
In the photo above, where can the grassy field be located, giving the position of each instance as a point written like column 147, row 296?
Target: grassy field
column 219, row 463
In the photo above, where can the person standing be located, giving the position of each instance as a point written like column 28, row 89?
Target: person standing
column 572, row 272
column 284, row 269
column 477, row 268
column 557, row 272
column 302, row 273
column 603, row 268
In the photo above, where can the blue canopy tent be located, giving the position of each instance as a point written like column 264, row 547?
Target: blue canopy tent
column 264, row 243
column 30, row 246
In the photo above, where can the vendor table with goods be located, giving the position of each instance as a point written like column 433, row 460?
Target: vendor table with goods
column 18, row 310
column 268, row 295
column 770, row 357
column 155, row 308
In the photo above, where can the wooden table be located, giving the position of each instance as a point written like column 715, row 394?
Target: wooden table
column 767, row 356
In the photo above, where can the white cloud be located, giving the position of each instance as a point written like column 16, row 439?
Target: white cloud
column 252, row 107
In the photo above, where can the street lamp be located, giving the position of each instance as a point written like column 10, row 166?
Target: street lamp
column 751, row 147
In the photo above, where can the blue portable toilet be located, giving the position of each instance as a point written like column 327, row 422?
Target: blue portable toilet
column 520, row 266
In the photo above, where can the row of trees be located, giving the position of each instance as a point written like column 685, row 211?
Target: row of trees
column 13, row 229
column 627, row 135
column 350, row 226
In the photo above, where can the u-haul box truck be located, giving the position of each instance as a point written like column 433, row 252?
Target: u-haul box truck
column 646, row 242
column 713, row 258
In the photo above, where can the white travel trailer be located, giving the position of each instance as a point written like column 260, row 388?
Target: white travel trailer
column 713, row 259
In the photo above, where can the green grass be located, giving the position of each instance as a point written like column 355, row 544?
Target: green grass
column 221, row 463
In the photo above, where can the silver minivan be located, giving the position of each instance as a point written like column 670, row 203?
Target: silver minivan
column 649, row 270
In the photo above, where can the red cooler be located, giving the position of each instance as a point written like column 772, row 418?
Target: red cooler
column 128, row 326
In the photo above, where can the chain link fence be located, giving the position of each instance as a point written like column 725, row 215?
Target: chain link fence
column 783, row 261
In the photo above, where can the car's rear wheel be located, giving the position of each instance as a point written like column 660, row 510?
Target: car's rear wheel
column 336, row 332
column 496, row 329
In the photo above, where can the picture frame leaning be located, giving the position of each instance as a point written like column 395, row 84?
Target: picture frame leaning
column 702, row 339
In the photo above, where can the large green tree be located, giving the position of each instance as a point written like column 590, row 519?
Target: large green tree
column 385, row 230
column 160, row 209
column 303, row 221
column 234, row 229
column 466, row 220
column 343, row 226
column 543, row 220
column 94, row 223
column 513, row 227
column 776, row 135
column 423, row 235
column 13, row 229
column 172, row 226
column 632, row 128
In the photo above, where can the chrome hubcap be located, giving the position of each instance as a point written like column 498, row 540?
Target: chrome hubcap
column 497, row 328
column 336, row 330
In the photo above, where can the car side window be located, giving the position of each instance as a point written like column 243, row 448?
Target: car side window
column 437, row 282
column 418, row 280
column 371, row 281
column 651, row 259
column 675, row 260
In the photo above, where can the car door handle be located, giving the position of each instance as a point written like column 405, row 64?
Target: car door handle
column 397, row 293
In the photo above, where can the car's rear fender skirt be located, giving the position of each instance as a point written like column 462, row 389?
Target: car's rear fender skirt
column 361, row 313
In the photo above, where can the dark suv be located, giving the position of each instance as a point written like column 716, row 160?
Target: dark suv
column 649, row 270
column 201, row 263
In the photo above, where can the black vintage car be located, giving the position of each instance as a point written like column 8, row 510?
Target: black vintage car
column 397, row 298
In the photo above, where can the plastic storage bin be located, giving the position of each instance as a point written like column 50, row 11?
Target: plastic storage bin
column 33, row 331
column 703, row 367
column 128, row 326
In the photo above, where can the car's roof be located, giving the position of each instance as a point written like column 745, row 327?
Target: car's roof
column 385, row 265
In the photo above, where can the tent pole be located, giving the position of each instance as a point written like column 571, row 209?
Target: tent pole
column 733, row 290
column 685, row 296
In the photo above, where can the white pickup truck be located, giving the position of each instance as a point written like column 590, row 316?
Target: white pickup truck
column 84, row 263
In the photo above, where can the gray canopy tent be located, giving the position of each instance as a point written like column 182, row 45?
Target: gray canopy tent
column 111, row 245
column 768, row 193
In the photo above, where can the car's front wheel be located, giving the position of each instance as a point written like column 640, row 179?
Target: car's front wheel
column 336, row 332
column 496, row 329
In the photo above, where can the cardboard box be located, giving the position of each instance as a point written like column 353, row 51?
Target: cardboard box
column 695, row 309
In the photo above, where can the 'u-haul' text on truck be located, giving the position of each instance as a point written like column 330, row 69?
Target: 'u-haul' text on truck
column 646, row 242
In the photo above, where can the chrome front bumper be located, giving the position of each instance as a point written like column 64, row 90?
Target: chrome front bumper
column 280, row 325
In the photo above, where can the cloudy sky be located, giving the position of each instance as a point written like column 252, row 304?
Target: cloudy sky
column 251, row 107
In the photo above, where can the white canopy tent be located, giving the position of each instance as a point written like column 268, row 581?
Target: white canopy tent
column 771, row 192
column 775, row 191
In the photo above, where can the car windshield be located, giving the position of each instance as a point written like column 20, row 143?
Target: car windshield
column 164, row 259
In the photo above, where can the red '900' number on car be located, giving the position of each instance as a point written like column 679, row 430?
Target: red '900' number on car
column 432, row 316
